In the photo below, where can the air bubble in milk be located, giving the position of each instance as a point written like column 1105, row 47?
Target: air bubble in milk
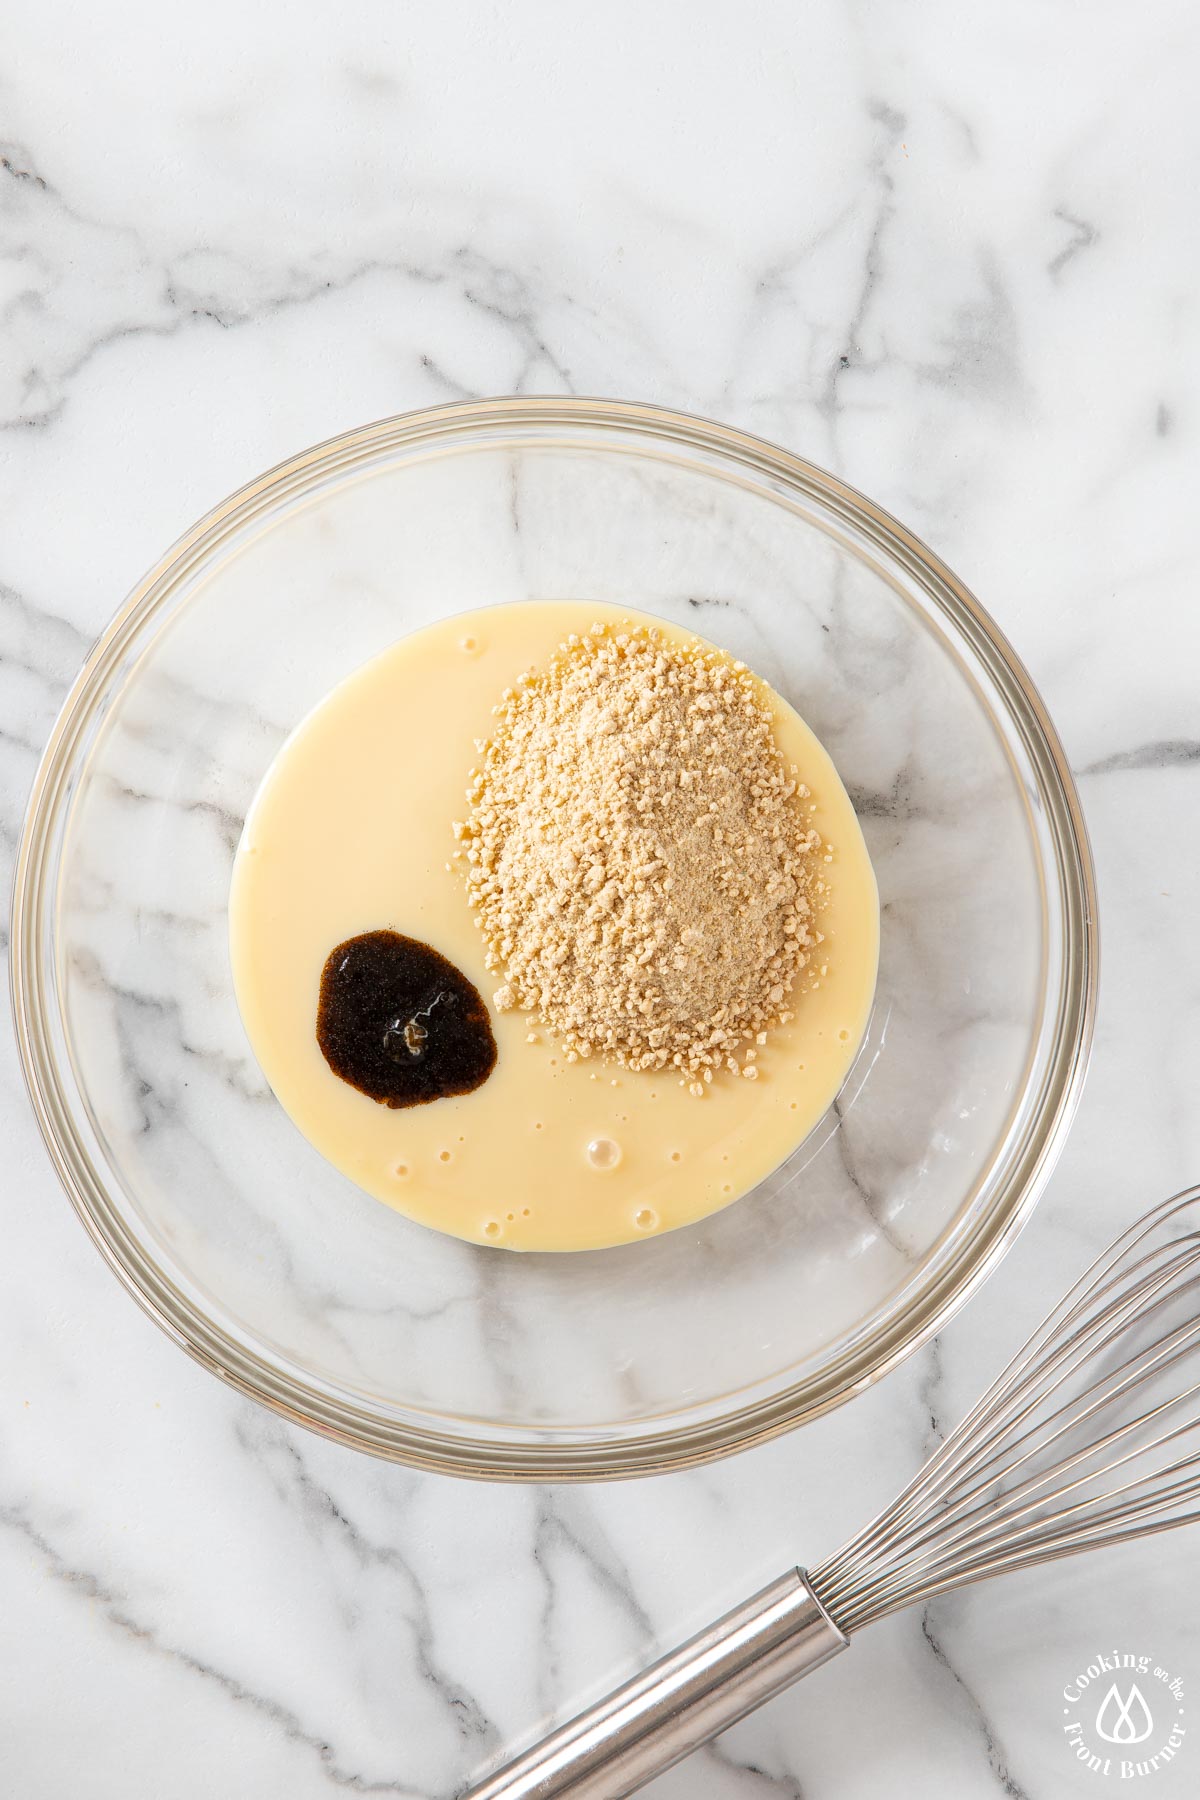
column 604, row 1153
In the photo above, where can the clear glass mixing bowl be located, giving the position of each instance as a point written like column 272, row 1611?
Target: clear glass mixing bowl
column 273, row 1269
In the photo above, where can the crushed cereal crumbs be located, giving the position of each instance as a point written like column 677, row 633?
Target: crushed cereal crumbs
column 637, row 858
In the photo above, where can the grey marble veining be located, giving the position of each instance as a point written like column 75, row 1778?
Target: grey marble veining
column 951, row 255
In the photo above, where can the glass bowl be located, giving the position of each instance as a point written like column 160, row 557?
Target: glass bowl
column 274, row 1270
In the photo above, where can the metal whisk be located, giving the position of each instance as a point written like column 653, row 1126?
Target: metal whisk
column 1079, row 1443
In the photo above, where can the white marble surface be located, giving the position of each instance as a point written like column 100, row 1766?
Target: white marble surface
column 950, row 253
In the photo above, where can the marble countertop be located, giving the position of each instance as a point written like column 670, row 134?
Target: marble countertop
column 950, row 254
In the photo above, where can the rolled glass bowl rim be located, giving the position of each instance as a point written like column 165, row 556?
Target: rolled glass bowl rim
column 512, row 1453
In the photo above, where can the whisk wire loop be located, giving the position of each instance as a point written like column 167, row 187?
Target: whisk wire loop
column 1065, row 1450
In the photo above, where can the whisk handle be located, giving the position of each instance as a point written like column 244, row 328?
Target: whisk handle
column 687, row 1697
